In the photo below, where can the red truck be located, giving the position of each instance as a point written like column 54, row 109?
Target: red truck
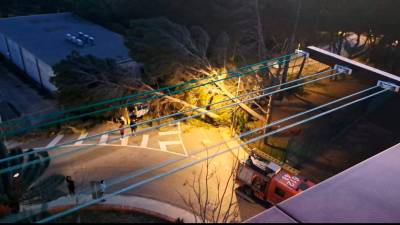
column 267, row 181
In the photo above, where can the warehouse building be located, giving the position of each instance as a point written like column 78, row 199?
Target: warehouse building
column 36, row 43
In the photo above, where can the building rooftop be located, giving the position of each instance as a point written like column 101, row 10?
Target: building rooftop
column 44, row 36
column 365, row 193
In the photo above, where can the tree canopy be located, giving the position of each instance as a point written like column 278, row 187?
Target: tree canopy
column 167, row 48
column 83, row 79
column 319, row 22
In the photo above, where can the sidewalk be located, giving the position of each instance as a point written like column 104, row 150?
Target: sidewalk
column 120, row 202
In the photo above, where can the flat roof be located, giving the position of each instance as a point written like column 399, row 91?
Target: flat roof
column 44, row 36
column 330, row 58
column 365, row 193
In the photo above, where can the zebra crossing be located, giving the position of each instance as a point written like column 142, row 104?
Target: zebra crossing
column 145, row 141
column 164, row 144
column 169, row 141
column 55, row 141
column 83, row 135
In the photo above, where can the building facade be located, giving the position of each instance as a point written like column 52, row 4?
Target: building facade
column 36, row 43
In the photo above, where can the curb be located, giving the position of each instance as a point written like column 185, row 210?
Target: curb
column 148, row 206
column 122, row 208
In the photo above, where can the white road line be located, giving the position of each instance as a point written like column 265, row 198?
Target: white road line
column 124, row 141
column 163, row 144
column 129, row 146
column 171, row 125
column 55, row 141
column 83, row 135
column 145, row 141
column 103, row 139
column 169, row 132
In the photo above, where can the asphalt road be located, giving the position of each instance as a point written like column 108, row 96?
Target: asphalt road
column 121, row 158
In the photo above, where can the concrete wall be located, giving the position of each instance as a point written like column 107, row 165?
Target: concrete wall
column 31, row 67
column 46, row 72
column 15, row 54
column 3, row 46
column 36, row 69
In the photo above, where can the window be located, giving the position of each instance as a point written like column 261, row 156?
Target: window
column 279, row 192
column 259, row 184
column 303, row 186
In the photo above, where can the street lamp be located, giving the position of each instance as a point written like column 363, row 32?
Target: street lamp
column 15, row 175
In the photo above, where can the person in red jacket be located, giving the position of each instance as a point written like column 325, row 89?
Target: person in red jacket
column 122, row 129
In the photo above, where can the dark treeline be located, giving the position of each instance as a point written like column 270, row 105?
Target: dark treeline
column 320, row 22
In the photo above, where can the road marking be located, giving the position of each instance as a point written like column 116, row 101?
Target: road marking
column 145, row 141
column 83, row 135
column 128, row 146
column 169, row 132
column 55, row 141
column 172, row 125
column 103, row 139
column 163, row 144
column 124, row 141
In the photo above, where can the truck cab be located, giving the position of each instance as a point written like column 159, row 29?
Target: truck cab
column 284, row 185
column 267, row 181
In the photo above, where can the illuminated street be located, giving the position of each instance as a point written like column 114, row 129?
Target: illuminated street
column 187, row 111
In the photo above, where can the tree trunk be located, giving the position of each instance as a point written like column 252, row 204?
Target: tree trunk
column 268, row 117
column 285, row 69
column 242, row 105
column 301, row 67
column 296, row 25
column 262, row 50
column 172, row 99
column 358, row 40
column 261, row 44
column 283, row 77
column 341, row 39
column 332, row 42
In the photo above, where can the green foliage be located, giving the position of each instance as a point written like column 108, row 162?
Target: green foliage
column 166, row 48
column 386, row 54
column 27, row 7
column 17, row 189
column 242, row 119
column 173, row 53
column 226, row 113
column 94, row 10
column 82, row 79
column 45, row 190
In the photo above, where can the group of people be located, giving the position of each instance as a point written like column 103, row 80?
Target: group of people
column 132, row 124
column 71, row 187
